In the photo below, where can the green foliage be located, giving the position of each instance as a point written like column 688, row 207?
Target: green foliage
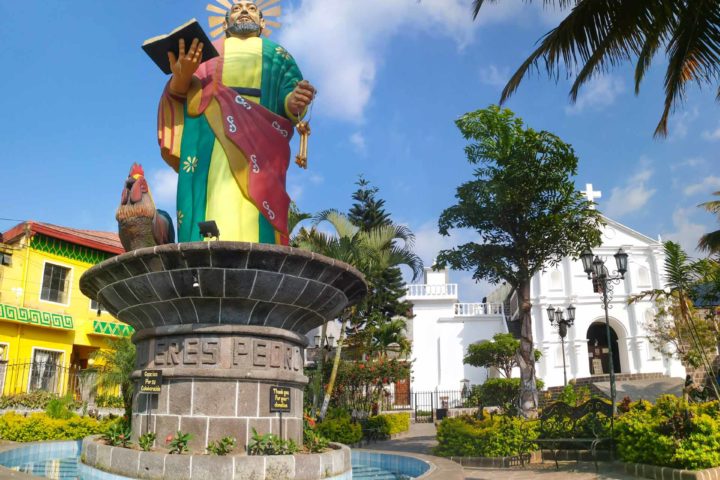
column 493, row 436
column 670, row 433
column 338, row 427
column 574, row 395
column 497, row 392
column 114, row 366
column 146, row 441
column 384, row 425
column 500, row 353
column 179, row 443
column 37, row 400
column 524, row 207
column 223, row 446
column 269, row 444
column 38, row 427
column 312, row 440
column 109, row 400
column 361, row 384
column 60, row 408
column 118, row 435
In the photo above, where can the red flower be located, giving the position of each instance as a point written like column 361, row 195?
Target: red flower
column 361, row 366
column 169, row 438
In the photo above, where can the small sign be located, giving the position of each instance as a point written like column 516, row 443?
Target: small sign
column 151, row 382
column 279, row 399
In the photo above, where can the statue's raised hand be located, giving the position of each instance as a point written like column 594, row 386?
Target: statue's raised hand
column 184, row 65
column 301, row 97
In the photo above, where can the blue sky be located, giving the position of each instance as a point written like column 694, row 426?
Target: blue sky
column 80, row 101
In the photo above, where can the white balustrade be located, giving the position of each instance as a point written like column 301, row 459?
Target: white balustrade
column 478, row 309
column 440, row 290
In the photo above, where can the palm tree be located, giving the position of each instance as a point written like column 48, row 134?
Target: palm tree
column 599, row 34
column 114, row 366
column 710, row 242
column 370, row 251
column 682, row 276
column 389, row 337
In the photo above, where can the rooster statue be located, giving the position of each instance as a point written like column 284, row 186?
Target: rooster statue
column 140, row 224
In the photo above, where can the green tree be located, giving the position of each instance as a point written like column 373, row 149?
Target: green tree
column 677, row 321
column 597, row 35
column 526, row 211
column 710, row 242
column 114, row 366
column 500, row 353
column 389, row 336
column 372, row 251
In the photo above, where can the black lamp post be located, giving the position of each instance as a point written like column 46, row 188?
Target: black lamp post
column 556, row 317
column 601, row 277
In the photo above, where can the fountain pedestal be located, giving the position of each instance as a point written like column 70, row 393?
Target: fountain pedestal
column 223, row 322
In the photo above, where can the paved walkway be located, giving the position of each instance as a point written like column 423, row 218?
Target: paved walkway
column 421, row 439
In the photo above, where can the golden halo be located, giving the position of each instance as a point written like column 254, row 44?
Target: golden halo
column 265, row 6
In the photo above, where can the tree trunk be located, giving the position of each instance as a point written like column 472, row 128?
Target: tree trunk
column 336, row 365
column 320, row 368
column 526, row 359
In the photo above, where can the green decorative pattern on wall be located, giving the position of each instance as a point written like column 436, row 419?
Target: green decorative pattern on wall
column 68, row 250
column 37, row 318
column 112, row 328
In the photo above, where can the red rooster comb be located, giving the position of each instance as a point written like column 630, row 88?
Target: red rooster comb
column 136, row 170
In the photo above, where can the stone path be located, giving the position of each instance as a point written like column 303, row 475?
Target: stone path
column 421, row 439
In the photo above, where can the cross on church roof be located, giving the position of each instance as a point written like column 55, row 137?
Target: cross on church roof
column 591, row 194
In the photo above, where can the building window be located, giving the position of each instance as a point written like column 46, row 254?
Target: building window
column 55, row 284
column 95, row 306
column 45, row 372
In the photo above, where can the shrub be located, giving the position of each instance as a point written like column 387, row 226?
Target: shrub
column 269, row 444
column 574, row 395
column 340, row 428
column 37, row 400
column 179, row 443
column 59, row 408
column 38, row 426
column 146, row 441
column 494, row 436
column 118, row 435
column 496, row 392
column 670, row 433
column 223, row 446
column 312, row 440
column 384, row 425
column 103, row 400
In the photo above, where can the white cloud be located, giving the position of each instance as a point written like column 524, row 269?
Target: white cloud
column 708, row 185
column 358, row 141
column 686, row 232
column 711, row 135
column 691, row 162
column 598, row 93
column 163, row 186
column 494, row 76
column 339, row 44
column 631, row 197
column 680, row 124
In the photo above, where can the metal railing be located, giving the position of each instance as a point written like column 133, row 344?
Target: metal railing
column 478, row 309
column 53, row 377
column 430, row 290
column 425, row 406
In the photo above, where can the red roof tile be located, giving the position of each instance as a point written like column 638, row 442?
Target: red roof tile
column 104, row 241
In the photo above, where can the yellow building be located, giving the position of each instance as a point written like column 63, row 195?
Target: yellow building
column 48, row 328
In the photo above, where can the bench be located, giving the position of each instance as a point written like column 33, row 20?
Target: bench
column 589, row 424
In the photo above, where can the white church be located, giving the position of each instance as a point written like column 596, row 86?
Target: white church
column 442, row 327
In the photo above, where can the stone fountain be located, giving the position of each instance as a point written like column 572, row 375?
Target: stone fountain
column 223, row 322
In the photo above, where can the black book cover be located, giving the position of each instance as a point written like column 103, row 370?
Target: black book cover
column 157, row 47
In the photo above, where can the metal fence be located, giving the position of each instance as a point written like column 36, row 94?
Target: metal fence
column 425, row 406
column 53, row 377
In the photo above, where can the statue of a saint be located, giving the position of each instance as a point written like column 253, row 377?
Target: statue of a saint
column 225, row 126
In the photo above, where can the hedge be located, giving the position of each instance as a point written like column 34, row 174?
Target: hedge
column 384, row 425
column 340, row 429
column 493, row 436
column 38, row 426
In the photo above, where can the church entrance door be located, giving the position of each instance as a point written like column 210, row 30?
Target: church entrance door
column 598, row 351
